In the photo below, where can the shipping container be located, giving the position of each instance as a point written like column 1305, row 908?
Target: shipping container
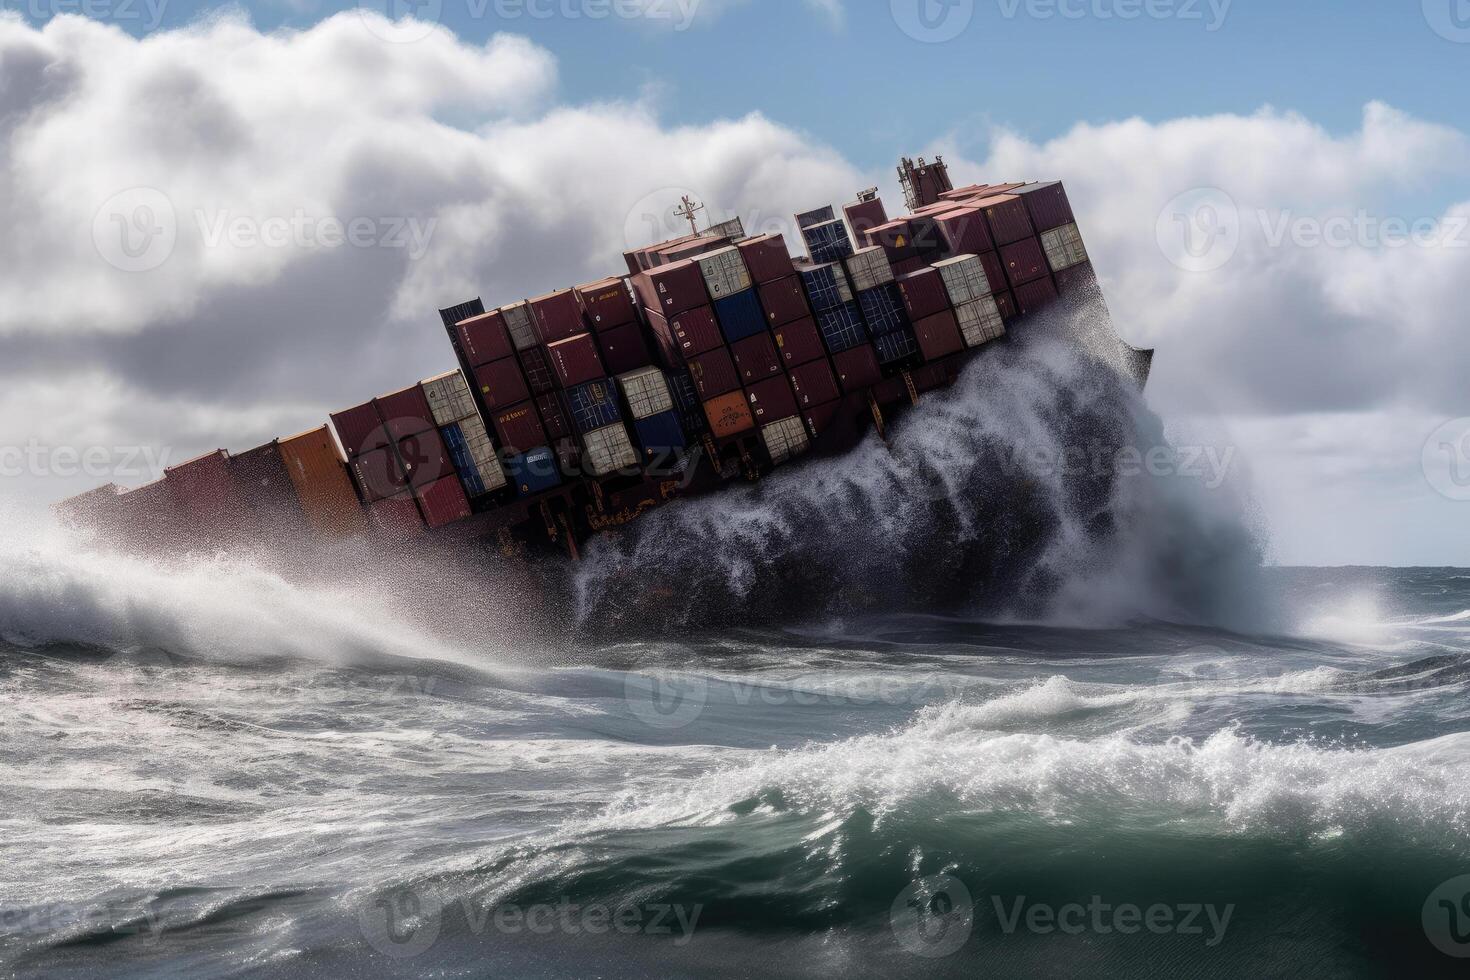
column 1034, row 295
column 693, row 331
column 397, row 518
column 820, row 418
column 405, row 412
column 826, row 285
column 895, row 238
column 964, row 232
column 608, row 450
column 1079, row 279
column 731, row 228
column 594, row 405
column 729, row 414
column 323, row 486
column 501, row 383
column 484, row 338
column 474, row 457
column 533, row 472
column 863, row 216
column 964, row 279
column 756, row 358
column 624, row 349
column 557, row 316
column 724, row 272
column 520, row 325
column 857, row 368
column 536, row 365
column 443, row 502
column 816, row 216
column 576, row 360
column 556, row 417
column 827, row 242
column 261, row 475
column 378, row 475
column 939, row 335
column 995, row 272
column 785, row 439
column 740, row 316
column 645, row 392
column 923, row 294
column 960, row 193
column 980, row 321
column 425, row 458
column 814, row 383
column 1007, row 219
column 659, row 436
column 799, row 342
column 1063, row 247
column 908, row 267
column 671, row 289
column 519, row 428
column 714, row 373
column 1006, row 303
column 767, row 259
column 869, row 268
column 1024, row 261
column 924, row 235
column 896, row 348
column 360, row 429
column 883, row 309
column 1046, row 205
column 606, row 304
column 784, row 301
column 891, row 391
column 212, row 502
column 149, row 518
column 842, row 328
column 449, row 397
column 687, row 403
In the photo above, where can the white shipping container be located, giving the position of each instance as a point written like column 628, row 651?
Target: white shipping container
column 449, row 398
column 980, row 321
column 964, row 279
column 734, row 228
column 646, row 392
column 518, row 322
column 482, row 451
column 724, row 272
column 608, row 450
column 870, row 268
column 785, row 439
column 1064, row 247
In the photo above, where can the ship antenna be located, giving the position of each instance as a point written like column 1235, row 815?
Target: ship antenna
column 688, row 211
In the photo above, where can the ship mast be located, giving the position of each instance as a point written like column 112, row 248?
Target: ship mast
column 688, row 211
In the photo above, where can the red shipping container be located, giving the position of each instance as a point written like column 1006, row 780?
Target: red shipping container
column 799, row 342
column 1047, row 206
column 1007, row 218
column 814, row 384
column 1034, row 295
column 443, row 502
column 896, row 238
column 784, row 300
column 691, row 332
column 361, row 429
column 536, row 364
column 756, row 358
column 1024, row 261
column 1006, row 303
column 772, row 400
column 406, row 412
column 767, row 258
column 623, row 349
column 728, row 414
column 606, row 304
column 518, row 429
column 908, row 265
column 995, row 272
column 206, row 491
column 864, row 216
column 576, row 361
column 891, row 391
column 1078, row 279
column 924, row 234
column 965, row 232
column 484, row 338
column 923, row 293
column 501, row 383
column 939, row 335
column 671, row 289
column 378, row 474
column 555, row 416
column 857, row 368
column 425, row 458
column 556, row 316
column 821, row 418
column 669, row 354
column 397, row 518
column 931, row 377
column 714, row 374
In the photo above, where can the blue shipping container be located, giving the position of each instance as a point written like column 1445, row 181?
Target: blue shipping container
column 659, row 434
column 883, row 309
column 842, row 328
column 594, row 405
column 895, row 346
column 740, row 315
column 686, row 402
column 826, row 286
column 827, row 242
column 459, row 452
column 534, row 472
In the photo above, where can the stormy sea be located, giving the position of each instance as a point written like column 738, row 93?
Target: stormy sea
column 1013, row 692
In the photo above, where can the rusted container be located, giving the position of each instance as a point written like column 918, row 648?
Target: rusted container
column 443, row 502
column 923, row 293
column 406, row 411
column 1024, row 261
column 378, row 475
column 857, row 368
column 755, row 358
column 714, row 373
column 360, row 429
column 964, row 232
column 484, row 338
column 576, row 360
column 1034, row 295
column 396, row 519
column 556, row 316
column 784, row 301
column 1007, row 218
column 623, row 349
column 814, row 384
column 501, row 383
column 939, row 335
column 671, row 289
column 606, row 304
column 425, row 458
column 213, row 504
column 536, row 365
column 729, row 414
column 518, row 429
column 1047, row 205
column 322, row 484
column 799, row 342
column 767, row 258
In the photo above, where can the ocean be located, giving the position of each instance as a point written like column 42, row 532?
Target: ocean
column 942, row 707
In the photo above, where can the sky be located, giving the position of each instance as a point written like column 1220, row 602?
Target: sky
column 1274, row 194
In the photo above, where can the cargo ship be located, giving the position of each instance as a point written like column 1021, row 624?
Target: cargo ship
column 715, row 357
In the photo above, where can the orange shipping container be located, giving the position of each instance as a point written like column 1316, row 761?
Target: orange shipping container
column 729, row 414
column 322, row 485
